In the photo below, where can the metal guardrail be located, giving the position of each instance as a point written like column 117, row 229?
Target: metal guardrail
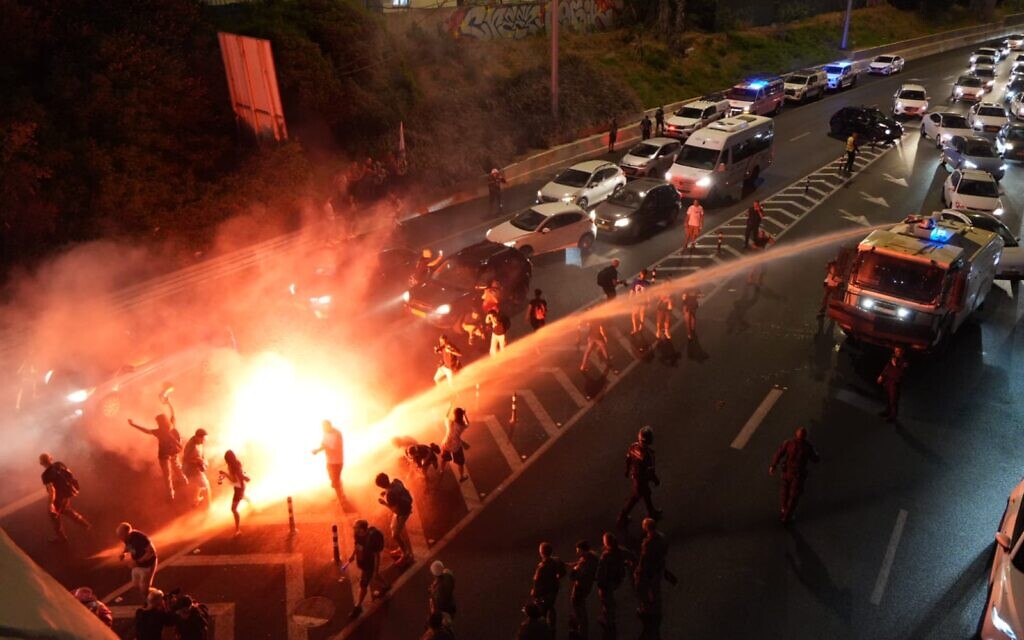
column 965, row 32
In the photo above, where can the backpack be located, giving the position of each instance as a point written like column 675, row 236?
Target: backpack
column 66, row 481
column 374, row 540
column 401, row 498
column 606, row 277
column 540, row 311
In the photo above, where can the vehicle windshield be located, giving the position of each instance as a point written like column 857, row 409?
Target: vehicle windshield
column 573, row 178
column 627, row 198
column 906, row 279
column 797, row 80
column 691, row 113
column 643, row 150
column 969, row 81
column 980, row 188
column 979, row 149
column 528, row 220
column 912, row 94
column 457, row 273
column 992, row 111
column 743, row 95
column 984, row 60
column 993, row 225
column 1015, row 133
column 834, row 69
column 985, row 74
column 955, row 122
column 883, row 59
column 699, row 157
column 1016, row 85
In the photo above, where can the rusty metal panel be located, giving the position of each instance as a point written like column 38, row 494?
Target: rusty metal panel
column 252, row 81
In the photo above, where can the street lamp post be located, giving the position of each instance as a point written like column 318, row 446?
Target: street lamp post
column 846, row 25
column 554, row 59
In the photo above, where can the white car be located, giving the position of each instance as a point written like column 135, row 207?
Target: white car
column 585, row 183
column 1015, row 41
column 1011, row 262
column 695, row 115
column 1017, row 106
column 1002, row 618
column 805, row 84
column 651, row 157
column 987, row 75
column 943, row 125
column 990, row 52
column 983, row 62
column 1017, row 70
column 910, row 100
column 988, row 117
column 886, row 65
column 972, row 190
column 968, row 88
column 546, row 227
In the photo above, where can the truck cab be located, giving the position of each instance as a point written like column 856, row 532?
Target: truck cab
column 914, row 284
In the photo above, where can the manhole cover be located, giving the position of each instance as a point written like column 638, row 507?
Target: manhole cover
column 313, row 612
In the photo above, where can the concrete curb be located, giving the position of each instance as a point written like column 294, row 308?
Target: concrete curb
column 529, row 168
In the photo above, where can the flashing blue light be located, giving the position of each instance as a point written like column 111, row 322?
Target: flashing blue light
column 843, row 63
column 759, row 84
column 939, row 234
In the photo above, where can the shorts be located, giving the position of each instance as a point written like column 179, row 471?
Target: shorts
column 143, row 576
column 237, row 497
column 458, row 456
column 334, row 473
column 366, row 574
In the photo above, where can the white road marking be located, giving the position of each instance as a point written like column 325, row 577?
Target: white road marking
column 23, row 502
column 743, row 437
column 417, row 536
column 508, row 450
column 893, row 179
column 539, row 412
column 563, row 379
column 223, row 614
column 861, row 220
column 802, row 135
column 878, row 200
column 469, row 493
column 890, row 556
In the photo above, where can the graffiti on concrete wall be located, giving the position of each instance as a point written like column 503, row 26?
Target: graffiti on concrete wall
column 516, row 21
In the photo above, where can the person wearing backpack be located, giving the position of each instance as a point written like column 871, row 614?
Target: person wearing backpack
column 168, row 447
column 611, row 572
column 537, row 311
column 399, row 501
column 369, row 542
column 640, row 471
column 61, row 485
column 193, row 619
column 608, row 279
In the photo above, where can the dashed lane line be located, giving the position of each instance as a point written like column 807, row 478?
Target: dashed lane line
column 755, row 420
column 890, row 556
column 802, row 135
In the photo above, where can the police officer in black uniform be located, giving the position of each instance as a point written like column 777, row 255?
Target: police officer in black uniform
column 608, row 279
column 793, row 455
column 640, row 470
column 891, row 380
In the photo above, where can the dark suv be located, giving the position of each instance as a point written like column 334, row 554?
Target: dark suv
column 456, row 285
column 642, row 205
column 867, row 122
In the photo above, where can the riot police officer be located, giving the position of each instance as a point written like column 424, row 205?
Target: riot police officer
column 640, row 470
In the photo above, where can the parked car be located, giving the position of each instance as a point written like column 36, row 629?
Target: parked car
column 760, row 95
column 326, row 282
column 841, row 75
column 548, row 227
column 867, row 122
column 910, row 100
column 805, row 84
column 454, row 287
column 1016, row 107
column 943, row 125
column 586, row 184
column 987, row 76
column 988, row 117
column 972, row 190
column 652, row 157
column 1003, row 615
column 1011, row 263
column 644, row 205
column 983, row 62
column 886, row 65
column 983, row 52
column 1010, row 141
column 973, row 152
column 1012, row 88
column 696, row 115
column 968, row 88
column 1015, row 41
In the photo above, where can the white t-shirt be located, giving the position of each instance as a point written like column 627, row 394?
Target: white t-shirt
column 695, row 216
column 332, row 446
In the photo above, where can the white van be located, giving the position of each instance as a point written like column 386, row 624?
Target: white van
column 757, row 96
column 718, row 160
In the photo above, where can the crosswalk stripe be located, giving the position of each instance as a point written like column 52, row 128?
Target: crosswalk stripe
column 469, row 493
column 733, row 250
column 539, row 412
column 774, row 221
column 508, row 450
column 791, row 201
column 563, row 379
column 417, row 536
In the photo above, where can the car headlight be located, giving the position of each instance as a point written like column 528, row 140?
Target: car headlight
column 405, row 297
column 540, row 196
column 888, row 131
column 959, row 91
column 568, row 199
column 78, row 397
column 899, row 104
column 746, row 109
column 668, row 176
column 867, row 304
column 622, row 222
column 704, row 182
column 902, row 313
column 1009, row 147
column 443, row 310
column 322, row 300
column 1002, row 167
column 998, row 211
column 510, row 243
column 946, row 136
column 970, row 165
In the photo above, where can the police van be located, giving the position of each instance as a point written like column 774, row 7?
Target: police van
column 716, row 162
column 757, row 96
column 841, row 75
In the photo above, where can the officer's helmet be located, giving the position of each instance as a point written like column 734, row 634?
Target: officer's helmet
column 646, row 434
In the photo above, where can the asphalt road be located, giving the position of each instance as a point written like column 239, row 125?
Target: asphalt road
column 895, row 528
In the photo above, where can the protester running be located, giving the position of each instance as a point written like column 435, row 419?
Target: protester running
column 168, row 447
column 399, row 501
column 143, row 555
column 61, row 486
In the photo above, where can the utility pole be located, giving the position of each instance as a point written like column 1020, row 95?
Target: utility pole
column 846, row 25
column 554, row 59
